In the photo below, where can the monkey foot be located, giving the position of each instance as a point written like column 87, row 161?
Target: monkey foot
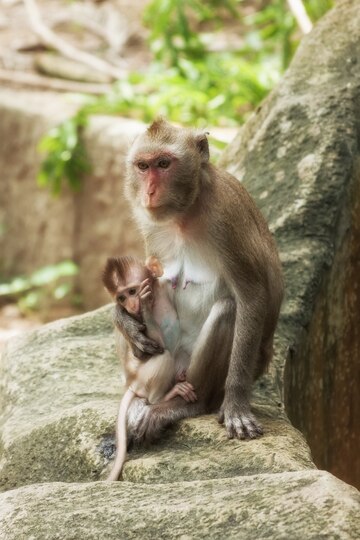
column 150, row 426
column 241, row 426
column 158, row 417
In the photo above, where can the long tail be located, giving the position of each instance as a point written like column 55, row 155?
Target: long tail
column 121, row 438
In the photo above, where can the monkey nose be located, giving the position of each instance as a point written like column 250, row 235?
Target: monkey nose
column 134, row 305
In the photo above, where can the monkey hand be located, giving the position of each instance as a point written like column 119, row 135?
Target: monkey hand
column 134, row 333
column 183, row 389
column 239, row 422
column 146, row 293
column 159, row 416
column 142, row 346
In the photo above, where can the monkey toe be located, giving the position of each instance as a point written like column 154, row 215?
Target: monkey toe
column 243, row 427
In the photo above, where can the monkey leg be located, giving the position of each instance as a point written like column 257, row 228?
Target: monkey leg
column 156, row 377
column 207, row 374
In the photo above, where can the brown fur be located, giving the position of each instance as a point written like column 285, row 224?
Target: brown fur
column 134, row 285
column 201, row 220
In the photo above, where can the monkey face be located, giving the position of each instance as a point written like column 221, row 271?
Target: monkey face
column 164, row 169
column 126, row 279
column 128, row 298
column 154, row 172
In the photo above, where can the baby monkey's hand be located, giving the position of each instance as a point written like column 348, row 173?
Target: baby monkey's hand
column 146, row 293
column 183, row 389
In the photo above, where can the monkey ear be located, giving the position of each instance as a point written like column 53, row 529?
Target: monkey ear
column 155, row 266
column 203, row 147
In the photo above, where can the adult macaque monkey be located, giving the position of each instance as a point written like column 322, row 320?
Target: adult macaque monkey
column 220, row 257
column 136, row 289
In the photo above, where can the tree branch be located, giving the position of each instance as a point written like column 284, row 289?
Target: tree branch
column 298, row 10
column 24, row 78
column 49, row 38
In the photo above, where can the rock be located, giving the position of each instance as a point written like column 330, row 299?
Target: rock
column 304, row 505
column 299, row 156
column 87, row 226
column 55, row 65
column 59, row 395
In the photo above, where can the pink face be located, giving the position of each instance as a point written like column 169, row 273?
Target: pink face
column 128, row 295
column 154, row 172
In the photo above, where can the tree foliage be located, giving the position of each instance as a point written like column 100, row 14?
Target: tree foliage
column 190, row 81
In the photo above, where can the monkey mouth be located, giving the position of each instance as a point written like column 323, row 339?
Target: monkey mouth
column 151, row 201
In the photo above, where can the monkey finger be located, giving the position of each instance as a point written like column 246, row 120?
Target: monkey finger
column 189, row 389
column 189, row 397
column 145, row 290
column 251, row 425
column 146, row 295
column 188, row 392
column 230, row 431
column 186, row 384
column 181, row 390
column 245, row 427
column 239, row 428
column 192, row 396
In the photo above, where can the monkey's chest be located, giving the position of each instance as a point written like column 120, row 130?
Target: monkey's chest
column 193, row 279
column 170, row 329
column 188, row 268
column 166, row 317
column 195, row 288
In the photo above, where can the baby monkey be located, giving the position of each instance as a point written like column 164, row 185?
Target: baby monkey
column 135, row 288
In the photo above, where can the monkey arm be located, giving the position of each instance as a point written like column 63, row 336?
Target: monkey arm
column 235, row 411
column 134, row 332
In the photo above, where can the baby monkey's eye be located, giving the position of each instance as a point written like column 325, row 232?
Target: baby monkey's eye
column 164, row 163
column 121, row 298
column 142, row 165
column 132, row 291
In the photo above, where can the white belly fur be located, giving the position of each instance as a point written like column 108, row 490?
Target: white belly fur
column 193, row 283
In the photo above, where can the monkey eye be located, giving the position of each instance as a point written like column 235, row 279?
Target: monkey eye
column 132, row 291
column 164, row 163
column 121, row 298
column 142, row 165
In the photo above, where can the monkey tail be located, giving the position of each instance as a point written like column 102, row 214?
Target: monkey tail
column 121, row 438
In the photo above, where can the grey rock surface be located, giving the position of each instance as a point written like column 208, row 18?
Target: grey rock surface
column 59, row 386
column 300, row 505
column 59, row 392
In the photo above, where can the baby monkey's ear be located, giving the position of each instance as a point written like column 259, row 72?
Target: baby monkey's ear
column 154, row 265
